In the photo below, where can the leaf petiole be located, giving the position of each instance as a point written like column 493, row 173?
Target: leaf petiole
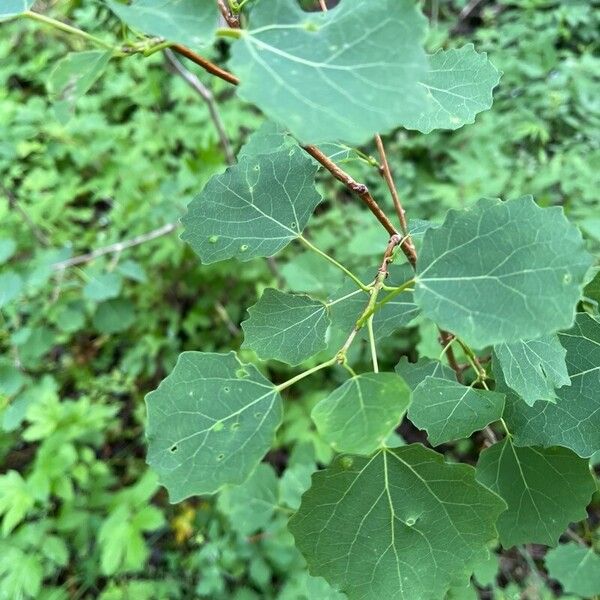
column 311, row 246
column 34, row 16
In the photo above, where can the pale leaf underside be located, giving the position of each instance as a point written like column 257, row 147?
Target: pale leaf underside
column 533, row 368
column 343, row 75
column 458, row 86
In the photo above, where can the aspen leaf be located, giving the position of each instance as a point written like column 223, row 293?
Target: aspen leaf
column 14, row 8
column 502, row 271
column 397, row 525
column 576, row 568
column 256, row 208
column 458, row 84
column 287, row 327
column 545, row 490
column 533, row 368
column 210, row 422
column 188, row 22
column 414, row 373
column 449, row 411
column 574, row 420
column 343, row 75
column 359, row 415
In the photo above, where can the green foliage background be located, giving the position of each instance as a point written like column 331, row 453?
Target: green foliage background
column 81, row 515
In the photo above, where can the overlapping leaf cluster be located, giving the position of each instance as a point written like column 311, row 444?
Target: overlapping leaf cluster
column 505, row 278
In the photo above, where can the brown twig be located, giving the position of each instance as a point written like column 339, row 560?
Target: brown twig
column 446, row 339
column 208, row 98
column 117, row 247
column 206, row 64
column 386, row 173
column 231, row 19
column 360, row 189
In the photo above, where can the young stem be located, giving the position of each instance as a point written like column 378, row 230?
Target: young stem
column 372, row 345
column 301, row 376
column 472, row 358
column 372, row 305
column 447, row 339
column 68, row 29
column 396, row 292
column 334, row 262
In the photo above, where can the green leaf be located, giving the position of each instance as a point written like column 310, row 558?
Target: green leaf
column 348, row 303
column 16, row 500
column 103, row 287
column 489, row 275
column 317, row 73
column 8, row 247
column 576, row 568
column 458, row 86
column 269, row 138
column 359, row 415
column 209, row 423
column 72, row 77
column 533, row 368
column 414, row 373
column 574, row 421
column 449, row 411
column 286, row 327
column 114, row 316
column 592, row 291
column 486, row 570
column 14, row 8
column 11, row 285
column 187, row 22
column 545, row 490
column 255, row 208
column 250, row 506
column 397, row 525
